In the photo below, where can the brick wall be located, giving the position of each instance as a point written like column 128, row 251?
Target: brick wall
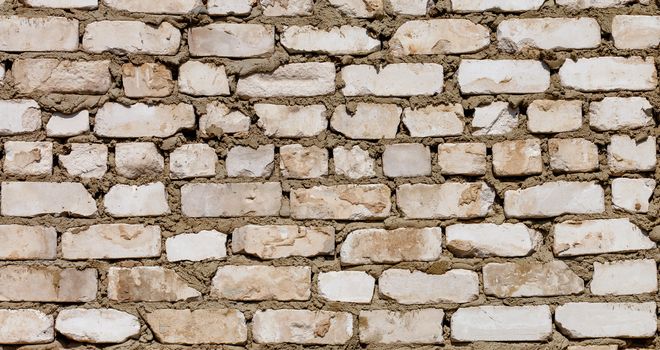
column 341, row 174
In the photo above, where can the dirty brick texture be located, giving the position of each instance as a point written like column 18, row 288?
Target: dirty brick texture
column 329, row 174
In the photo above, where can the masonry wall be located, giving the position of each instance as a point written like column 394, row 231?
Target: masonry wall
column 336, row 174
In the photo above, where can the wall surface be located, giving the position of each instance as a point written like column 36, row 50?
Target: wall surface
column 329, row 174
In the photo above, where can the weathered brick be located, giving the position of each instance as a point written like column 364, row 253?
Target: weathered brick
column 632, row 195
column 135, row 159
column 27, row 242
column 231, row 40
column 636, row 32
column 25, row 326
column 21, row 34
column 369, row 121
column 626, row 154
column 299, row 162
column 258, row 282
column 29, row 199
column 291, row 121
column 354, row 163
column 529, row 279
column 486, row 240
column 131, row 37
column 615, row 113
column 234, row 7
column 409, row 7
column 553, row 116
column 423, row 326
column 502, row 76
column 231, row 199
column 341, row 202
column 501, row 323
column 136, row 200
column 141, row 120
column 69, row 4
column 439, row 36
column 625, row 277
column 434, row 121
column 462, row 158
column 397, row 79
column 609, row 74
column 302, row 327
column 86, row 160
column 495, row 5
column 555, row 199
column 517, row 158
column 97, row 325
column 147, row 283
column 28, row 158
column 377, row 246
column 111, row 241
column 548, row 33
column 155, row 6
column 344, row 40
column 67, row 125
column 611, row 320
column 193, row 160
column 281, row 241
column 200, row 326
column 147, row 80
column 19, row 117
column 445, row 201
column 573, row 155
column 203, row 79
column 205, row 245
column 407, row 160
column 585, row 4
column 287, row 8
column 573, row 238
column 50, row 75
column 250, row 162
column 47, row 284
column 358, row 8
column 219, row 120
column 346, row 286
column 416, row 287
column 497, row 118
column 295, row 79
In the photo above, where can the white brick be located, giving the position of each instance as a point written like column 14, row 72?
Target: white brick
column 548, row 34
column 397, row 79
column 155, row 6
column 25, row 326
column 299, row 162
column 555, row 199
column 193, row 160
column 47, row 284
column 97, row 325
column 553, row 116
column 281, row 241
column 111, row 241
column 199, row 326
column 573, row 155
column 607, row 320
column 632, row 195
column 423, row 326
column 636, row 32
column 295, row 79
column 291, row 121
column 135, row 159
column 28, row 158
column 407, row 160
column 141, row 120
column 462, row 158
column 287, row 8
column 86, row 160
column 344, row 40
column 445, row 201
column 517, row 158
column 230, row 7
column 497, row 118
column 69, row 4
column 416, row 287
column 585, row 4
column 231, row 199
column 609, row 74
column 495, row 5
column 258, row 282
column 250, row 162
column 22, row 34
column 625, row 154
column 27, row 242
column 434, row 121
column 31, row 199
column 231, row 40
column 529, row 279
column 501, row 323
column 572, row 238
column 378, row 246
column 625, row 277
column 203, row 79
column 49, row 75
column 147, row 80
column 486, row 240
column 219, row 120
column 67, row 125
column 502, row 76
column 302, row 327
column 439, row 36
column 204, row 245
column 409, row 7
column 19, row 117
column 369, row 121
column 137, row 200
column 131, row 37
column 615, row 113
column 354, row 163
column 341, row 202
column 358, row 8
column 147, row 283
column 346, row 286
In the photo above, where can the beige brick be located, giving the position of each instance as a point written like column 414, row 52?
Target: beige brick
column 219, row 120
column 501, row 323
column 29, row 199
column 397, row 79
column 377, row 246
column 553, row 116
column 554, row 199
column 86, row 160
column 203, row 79
column 97, row 325
column 136, row 200
column 585, row 4
column 205, row 245
column 147, row 80
column 409, row 7
column 135, row 159
column 299, row 162
column 496, row 5
column 462, row 158
column 625, row 277
column 148, row 283
column 341, row 202
column 607, row 320
column 636, row 32
column 28, row 158
column 344, row 40
column 358, row 8
column 231, row 199
column 346, row 286
column 231, row 40
column 250, row 162
column 548, row 34
column 22, row 34
column 262, row 283
column 625, row 154
column 291, row 121
column 529, row 279
column 416, row 287
column 155, row 6
column 369, row 121
column 295, row 79
column 434, row 121
column 47, row 284
column 615, row 113
column 111, row 241
column 302, row 327
column 141, row 120
column 486, row 240
column 407, row 160
column 69, row 4
column 67, row 125
column 193, row 160
column 199, row 326
column 573, row 238
column 423, row 326
column 287, row 8
column 25, row 326
column 27, row 242
column 281, row 241
column 497, row 118
column 439, row 36
column 444, row 201
column 49, row 75
column 609, row 74
column 503, row 76
column 517, row 158
column 573, row 155
column 354, row 163
column 233, row 7
column 131, row 37
column 632, row 195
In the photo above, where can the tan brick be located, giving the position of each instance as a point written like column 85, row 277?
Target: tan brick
column 250, row 162
column 434, row 121
column 49, row 75
column 199, row 326
column 19, row 117
column 369, row 121
column 299, row 162
column 131, row 37
column 423, row 326
column 625, row 154
column 613, row 320
column 302, row 327
column 548, row 33
column 495, row 5
column 358, row 8
column 553, row 116
column 396, row 79
column 517, row 158
column 485, row 240
column 193, row 160
column 609, row 74
column 497, row 118
column 444, row 201
column 262, row 283
column 346, row 286
column 295, row 79
column 141, row 120
column 28, row 158
column 573, row 238
column 67, row 125
column 585, row 4
column 439, row 36
column 341, row 202
column 529, row 279
column 636, row 32
column 555, row 199
column 377, row 246
column 73, row 4
column 416, row 287
column 111, row 241
column 21, row 34
column 573, row 155
column 86, row 160
column 135, row 159
column 234, row 7
column 136, row 200
column 406, row 160
column 97, row 325
column 205, row 245
column 287, row 8
column 149, row 283
column 354, row 163
column 281, row 241
column 616, row 113
column 219, row 120
column 625, row 277
column 27, row 242
column 147, row 80
column 231, row 40
column 231, row 199
column 501, row 323
column 291, row 121
column 47, row 284
column 29, row 199
column 203, row 79
column 25, row 326
column 462, row 158
column 344, row 40
column 632, row 195
column 503, row 76
column 155, row 6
